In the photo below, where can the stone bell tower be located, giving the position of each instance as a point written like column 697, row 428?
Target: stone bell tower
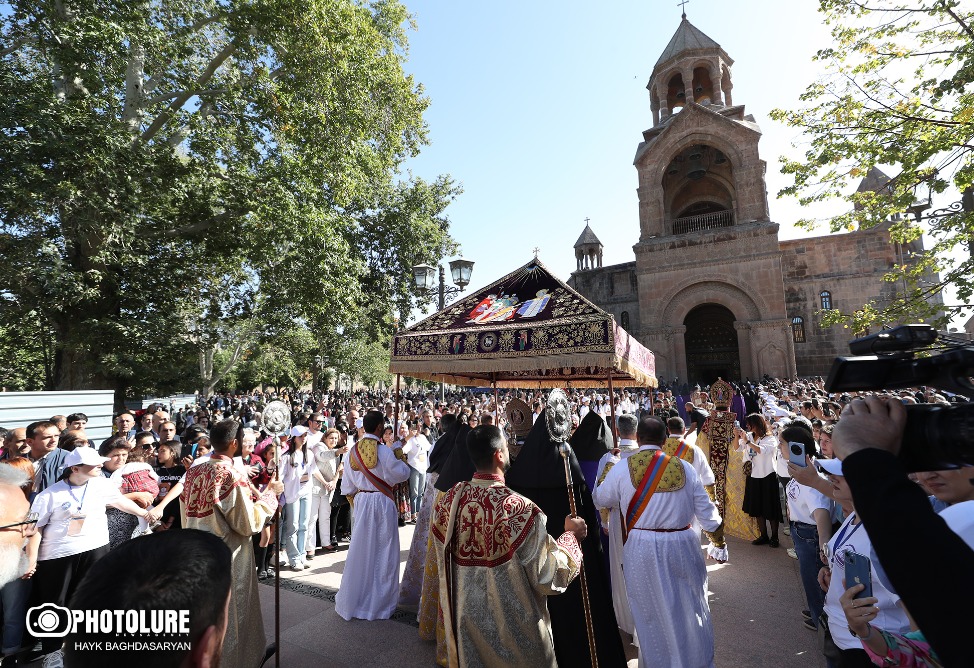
column 711, row 292
column 588, row 250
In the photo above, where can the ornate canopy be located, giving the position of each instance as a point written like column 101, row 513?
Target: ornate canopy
column 528, row 329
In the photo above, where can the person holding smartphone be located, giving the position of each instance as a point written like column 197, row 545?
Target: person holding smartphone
column 850, row 551
column 811, row 523
column 761, row 488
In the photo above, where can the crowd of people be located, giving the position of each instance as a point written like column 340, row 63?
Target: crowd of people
column 660, row 465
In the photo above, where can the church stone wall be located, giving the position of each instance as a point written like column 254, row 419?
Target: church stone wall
column 848, row 266
column 613, row 289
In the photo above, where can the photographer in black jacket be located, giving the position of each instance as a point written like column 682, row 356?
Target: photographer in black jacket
column 927, row 563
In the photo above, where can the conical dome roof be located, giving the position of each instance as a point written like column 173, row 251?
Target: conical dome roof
column 686, row 38
column 874, row 181
column 587, row 237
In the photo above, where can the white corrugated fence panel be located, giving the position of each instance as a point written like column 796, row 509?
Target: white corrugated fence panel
column 19, row 409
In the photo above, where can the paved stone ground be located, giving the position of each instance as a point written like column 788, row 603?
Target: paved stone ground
column 755, row 601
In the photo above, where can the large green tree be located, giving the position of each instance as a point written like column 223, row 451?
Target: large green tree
column 896, row 91
column 179, row 177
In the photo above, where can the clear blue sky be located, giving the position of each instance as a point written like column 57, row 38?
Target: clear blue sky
column 537, row 109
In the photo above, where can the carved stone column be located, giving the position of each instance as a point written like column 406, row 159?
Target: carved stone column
column 678, row 348
column 715, row 81
column 727, row 88
column 688, row 86
column 744, row 348
column 790, row 347
column 662, row 90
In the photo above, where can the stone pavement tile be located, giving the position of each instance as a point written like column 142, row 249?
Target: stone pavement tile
column 295, row 609
column 361, row 643
column 755, row 605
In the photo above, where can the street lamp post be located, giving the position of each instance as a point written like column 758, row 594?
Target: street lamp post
column 427, row 286
column 964, row 206
column 316, row 374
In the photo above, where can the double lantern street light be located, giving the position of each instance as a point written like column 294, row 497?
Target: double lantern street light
column 427, row 286
column 425, row 281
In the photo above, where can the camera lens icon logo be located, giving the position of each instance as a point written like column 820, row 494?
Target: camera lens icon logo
column 49, row 621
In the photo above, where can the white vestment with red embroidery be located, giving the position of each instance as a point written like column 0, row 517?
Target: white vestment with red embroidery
column 218, row 499
column 497, row 566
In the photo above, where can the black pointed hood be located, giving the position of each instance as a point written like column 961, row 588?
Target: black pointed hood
column 458, row 467
column 539, row 464
column 592, row 439
column 443, row 448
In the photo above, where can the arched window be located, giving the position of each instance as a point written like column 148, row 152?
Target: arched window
column 826, row 297
column 798, row 329
column 624, row 320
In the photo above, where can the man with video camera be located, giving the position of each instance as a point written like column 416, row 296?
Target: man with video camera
column 907, row 534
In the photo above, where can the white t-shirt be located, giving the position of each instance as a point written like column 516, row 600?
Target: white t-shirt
column 762, row 462
column 57, row 504
column 417, row 452
column 853, row 538
column 313, row 438
column 291, row 476
column 802, row 501
column 780, row 463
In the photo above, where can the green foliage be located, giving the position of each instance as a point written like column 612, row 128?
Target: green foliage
column 181, row 180
column 897, row 90
column 26, row 342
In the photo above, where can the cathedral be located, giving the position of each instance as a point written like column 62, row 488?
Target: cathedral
column 712, row 290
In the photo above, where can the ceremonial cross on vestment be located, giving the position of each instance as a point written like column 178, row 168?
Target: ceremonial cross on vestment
column 473, row 523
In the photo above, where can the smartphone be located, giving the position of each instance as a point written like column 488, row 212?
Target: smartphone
column 796, row 453
column 192, row 452
column 858, row 571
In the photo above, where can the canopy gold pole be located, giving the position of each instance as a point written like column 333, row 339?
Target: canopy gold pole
column 395, row 428
column 612, row 410
column 564, row 449
column 497, row 405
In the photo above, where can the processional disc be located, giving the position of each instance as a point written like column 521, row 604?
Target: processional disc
column 277, row 418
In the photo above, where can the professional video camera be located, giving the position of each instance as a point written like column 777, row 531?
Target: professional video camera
column 936, row 437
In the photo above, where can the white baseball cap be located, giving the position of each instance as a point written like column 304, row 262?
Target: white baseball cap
column 830, row 466
column 84, row 457
column 299, row 430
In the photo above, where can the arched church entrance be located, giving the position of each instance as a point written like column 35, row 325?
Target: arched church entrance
column 711, row 344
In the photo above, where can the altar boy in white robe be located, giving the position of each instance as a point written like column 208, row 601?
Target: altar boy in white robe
column 612, row 520
column 665, row 573
column 370, row 581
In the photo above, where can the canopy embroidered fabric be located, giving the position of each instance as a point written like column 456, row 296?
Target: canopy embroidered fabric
column 528, row 329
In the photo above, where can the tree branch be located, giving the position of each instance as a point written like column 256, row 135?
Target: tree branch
column 184, row 97
column 960, row 21
column 205, row 225
column 13, row 47
column 176, row 94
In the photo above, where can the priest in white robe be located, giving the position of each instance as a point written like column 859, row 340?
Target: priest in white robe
column 370, row 581
column 497, row 565
column 613, row 520
column 219, row 499
column 665, row 573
